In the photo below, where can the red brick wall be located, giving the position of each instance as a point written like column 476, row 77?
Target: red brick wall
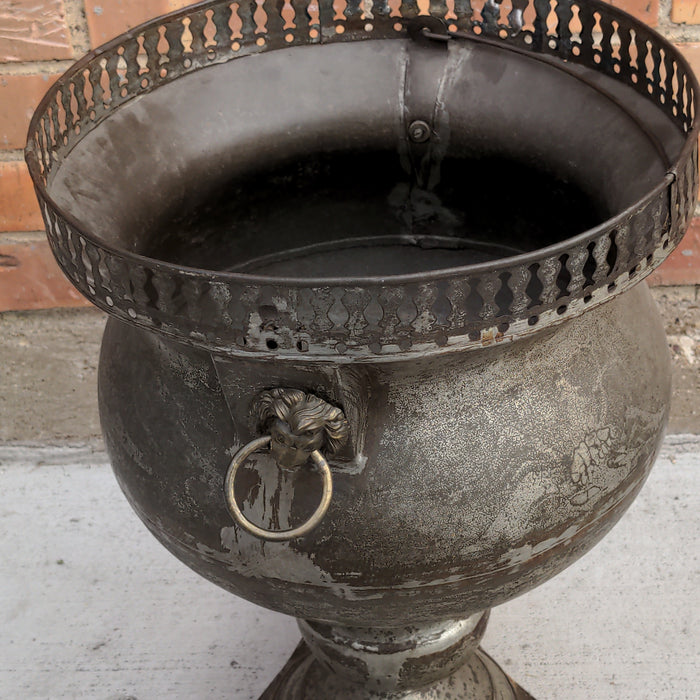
column 40, row 38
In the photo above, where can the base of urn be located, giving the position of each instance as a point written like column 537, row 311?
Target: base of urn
column 419, row 663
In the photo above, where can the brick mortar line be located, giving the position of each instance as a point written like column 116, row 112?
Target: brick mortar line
column 665, row 23
column 22, row 237
column 77, row 25
column 33, row 67
column 675, row 31
column 11, row 155
column 680, row 33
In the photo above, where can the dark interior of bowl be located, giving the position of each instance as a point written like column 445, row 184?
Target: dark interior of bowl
column 252, row 167
column 362, row 214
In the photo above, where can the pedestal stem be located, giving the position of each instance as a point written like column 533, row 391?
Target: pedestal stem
column 412, row 663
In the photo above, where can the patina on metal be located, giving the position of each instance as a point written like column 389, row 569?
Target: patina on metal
column 300, row 425
column 380, row 357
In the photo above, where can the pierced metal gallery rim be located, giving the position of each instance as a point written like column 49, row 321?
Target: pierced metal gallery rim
column 367, row 317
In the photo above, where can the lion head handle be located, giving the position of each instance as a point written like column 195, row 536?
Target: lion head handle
column 299, row 423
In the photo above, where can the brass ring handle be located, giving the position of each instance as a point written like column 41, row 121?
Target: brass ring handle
column 276, row 535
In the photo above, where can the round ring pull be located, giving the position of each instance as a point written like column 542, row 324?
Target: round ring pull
column 276, row 535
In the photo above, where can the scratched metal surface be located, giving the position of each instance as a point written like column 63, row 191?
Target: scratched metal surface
column 93, row 607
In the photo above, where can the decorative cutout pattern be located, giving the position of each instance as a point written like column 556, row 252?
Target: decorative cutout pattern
column 240, row 314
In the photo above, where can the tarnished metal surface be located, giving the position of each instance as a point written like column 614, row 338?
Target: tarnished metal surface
column 467, row 479
column 480, row 678
column 395, row 659
column 416, row 663
column 277, row 535
column 300, row 426
column 333, row 316
column 331, row 227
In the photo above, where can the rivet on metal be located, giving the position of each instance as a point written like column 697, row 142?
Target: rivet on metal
column 419, row 131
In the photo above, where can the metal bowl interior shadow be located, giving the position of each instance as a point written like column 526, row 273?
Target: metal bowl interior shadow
column 379, row 355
